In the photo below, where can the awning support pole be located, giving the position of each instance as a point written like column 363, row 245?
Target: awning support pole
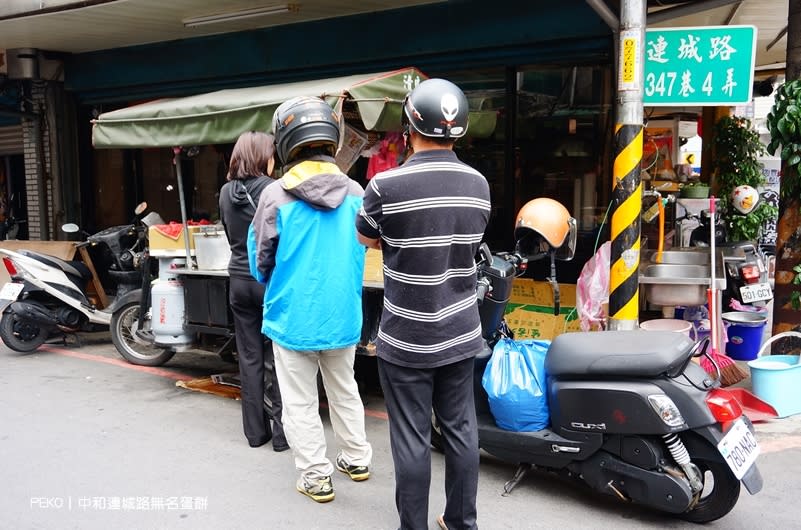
column 605, row 13
column 190, row 264
column 626, row 183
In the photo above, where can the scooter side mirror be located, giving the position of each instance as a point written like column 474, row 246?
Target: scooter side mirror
column 485, row 253
column 70, row 228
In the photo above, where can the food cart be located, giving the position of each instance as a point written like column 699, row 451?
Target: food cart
column 368, row 104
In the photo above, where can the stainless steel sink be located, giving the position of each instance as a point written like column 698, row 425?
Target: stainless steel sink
column 674, row 273
column 683, row 257
column 681, row 278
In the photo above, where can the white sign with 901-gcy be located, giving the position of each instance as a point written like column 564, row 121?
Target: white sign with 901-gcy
column 756, row 292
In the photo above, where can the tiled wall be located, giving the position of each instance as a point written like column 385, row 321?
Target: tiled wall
column 31, row 180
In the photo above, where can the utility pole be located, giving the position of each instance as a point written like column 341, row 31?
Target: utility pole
column 626, row 183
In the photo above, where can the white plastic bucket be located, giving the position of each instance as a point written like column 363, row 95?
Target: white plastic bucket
column 670, row 324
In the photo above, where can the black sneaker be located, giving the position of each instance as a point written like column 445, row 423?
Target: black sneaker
column 317, row 489
column 356, row 473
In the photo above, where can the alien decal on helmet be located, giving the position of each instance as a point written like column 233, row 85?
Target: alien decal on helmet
column 449, row 106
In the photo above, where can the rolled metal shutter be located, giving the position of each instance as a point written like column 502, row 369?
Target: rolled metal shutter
column 11, row 140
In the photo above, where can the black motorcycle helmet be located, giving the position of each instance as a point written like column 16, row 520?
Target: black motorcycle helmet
column 304, row 122
column 437, row 109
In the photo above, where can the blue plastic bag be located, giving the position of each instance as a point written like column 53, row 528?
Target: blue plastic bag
column 515, row 382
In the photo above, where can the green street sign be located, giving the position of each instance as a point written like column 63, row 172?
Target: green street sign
column 706, row 66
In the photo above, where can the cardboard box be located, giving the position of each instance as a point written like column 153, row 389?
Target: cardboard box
column 373, row 269
column 164, row 245
column 530, row 311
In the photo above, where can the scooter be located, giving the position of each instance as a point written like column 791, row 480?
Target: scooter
column 745, row 263
column 9, row 228
column 747, row 274
column 47, row 295
column 631, row 414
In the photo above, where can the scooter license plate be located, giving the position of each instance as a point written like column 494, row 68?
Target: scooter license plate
column 756, row 292
column 10, row 291
column 739, row 448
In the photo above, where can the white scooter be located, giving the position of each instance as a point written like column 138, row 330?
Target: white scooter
column 47, row 295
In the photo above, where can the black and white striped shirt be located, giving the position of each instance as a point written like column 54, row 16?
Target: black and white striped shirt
column 430, row 214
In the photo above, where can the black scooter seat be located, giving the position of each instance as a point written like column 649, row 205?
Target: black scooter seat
column 75, row 268
column 617, row 353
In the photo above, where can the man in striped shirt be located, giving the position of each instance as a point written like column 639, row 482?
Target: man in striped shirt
column 428, row 217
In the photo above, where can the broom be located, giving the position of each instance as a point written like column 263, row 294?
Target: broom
column 730, row 373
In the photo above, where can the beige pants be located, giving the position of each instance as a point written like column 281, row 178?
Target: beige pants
column 297, row 378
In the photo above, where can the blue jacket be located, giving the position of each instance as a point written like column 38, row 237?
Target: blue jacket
column 302, row 243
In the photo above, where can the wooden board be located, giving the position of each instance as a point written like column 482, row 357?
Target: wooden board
column 61, row 249
column 94, row 287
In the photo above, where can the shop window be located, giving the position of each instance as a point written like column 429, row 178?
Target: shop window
column 203, row 176
column 109, row 190
column 555, row 146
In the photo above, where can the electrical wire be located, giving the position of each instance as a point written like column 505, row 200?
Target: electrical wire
column 594, row 251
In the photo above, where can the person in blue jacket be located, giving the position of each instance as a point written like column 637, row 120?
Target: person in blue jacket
column 303, row 245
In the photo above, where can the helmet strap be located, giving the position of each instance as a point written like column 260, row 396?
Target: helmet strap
column 554, row 283
column 407, row 139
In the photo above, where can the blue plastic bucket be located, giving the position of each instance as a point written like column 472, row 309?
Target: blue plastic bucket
column 777, row 380
column 744, row 331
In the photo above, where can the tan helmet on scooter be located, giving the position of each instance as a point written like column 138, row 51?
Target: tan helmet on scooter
column 543, row 226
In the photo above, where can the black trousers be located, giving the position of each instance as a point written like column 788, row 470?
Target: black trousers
column 410, row 394
column 256, row 364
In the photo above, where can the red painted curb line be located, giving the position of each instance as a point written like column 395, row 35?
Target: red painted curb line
column 161, row 372
column 117, row 362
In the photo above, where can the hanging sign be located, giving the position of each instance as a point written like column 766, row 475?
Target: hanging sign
column 707, row 66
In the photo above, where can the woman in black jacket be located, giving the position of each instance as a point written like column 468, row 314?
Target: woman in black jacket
column 251, row 163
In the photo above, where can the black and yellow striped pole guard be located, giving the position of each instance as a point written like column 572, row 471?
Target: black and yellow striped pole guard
column 625, row 234
column 627, row 187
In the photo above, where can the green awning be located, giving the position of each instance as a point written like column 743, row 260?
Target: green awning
column 220, row 117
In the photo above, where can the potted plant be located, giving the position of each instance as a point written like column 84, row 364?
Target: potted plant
column 736, row 163
column 694, row 190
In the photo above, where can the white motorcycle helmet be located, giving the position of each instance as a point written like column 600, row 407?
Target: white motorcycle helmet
column 744, row 199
